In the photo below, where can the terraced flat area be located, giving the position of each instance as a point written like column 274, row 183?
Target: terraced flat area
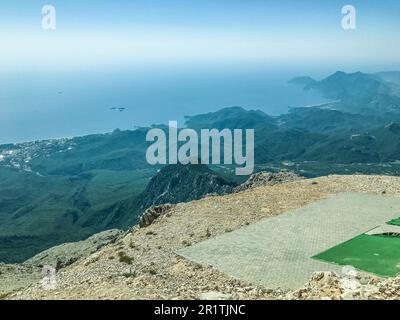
column 277, row 252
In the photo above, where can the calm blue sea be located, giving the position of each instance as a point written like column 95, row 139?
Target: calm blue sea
column 40, row 105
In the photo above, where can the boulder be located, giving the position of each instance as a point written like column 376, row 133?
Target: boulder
column 264, row 178
column 153, row 213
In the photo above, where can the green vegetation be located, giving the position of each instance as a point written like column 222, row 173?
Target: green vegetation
column 375, row 254
column 3, row 295
column 395, row 222
column 152, row 272
column 124, row 258
column 130, row 274
column 40, row 212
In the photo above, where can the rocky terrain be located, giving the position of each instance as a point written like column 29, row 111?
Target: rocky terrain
column 267, row 179
column 331, row 286
column 63, row 255
column 14, row 277
column 142, row 263
column 182, row 183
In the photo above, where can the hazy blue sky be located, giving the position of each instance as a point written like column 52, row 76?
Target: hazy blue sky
column 163, row 59
column 119, row 33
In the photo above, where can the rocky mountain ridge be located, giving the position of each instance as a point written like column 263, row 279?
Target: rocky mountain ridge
column 143, row 263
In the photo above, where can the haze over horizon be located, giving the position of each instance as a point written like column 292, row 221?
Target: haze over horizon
column 167, row 59
column 110, row 34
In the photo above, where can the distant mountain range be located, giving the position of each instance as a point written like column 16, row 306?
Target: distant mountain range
column 359, row 92
column 64, row 190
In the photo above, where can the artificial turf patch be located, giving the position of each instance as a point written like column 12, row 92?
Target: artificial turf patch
column 395, row 222
column 376, row 254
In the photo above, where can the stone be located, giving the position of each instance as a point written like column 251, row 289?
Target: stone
column 267, row 179
column 154, row 213
column 214, row 295
column 347, row 296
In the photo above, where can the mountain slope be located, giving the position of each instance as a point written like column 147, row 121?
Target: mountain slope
column 50, row 189
column 312, row 134
column 234, row 117
column 327, row 121
column 172, row 184
column 376, row 145
column 182, row 183
column 390, row 76
column 156, row 272
column 359, row 92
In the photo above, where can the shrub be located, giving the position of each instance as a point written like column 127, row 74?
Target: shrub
column 4, row 295
column 124, row 258
column 152, row 272
column 130, row 274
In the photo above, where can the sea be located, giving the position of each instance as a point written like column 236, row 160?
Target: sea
column 44, row 104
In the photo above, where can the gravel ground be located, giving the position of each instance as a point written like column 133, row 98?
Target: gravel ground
column 17, row 277
column 143, row 263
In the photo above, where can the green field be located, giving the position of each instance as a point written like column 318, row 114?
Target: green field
column 395, row 222
column 376, row 254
